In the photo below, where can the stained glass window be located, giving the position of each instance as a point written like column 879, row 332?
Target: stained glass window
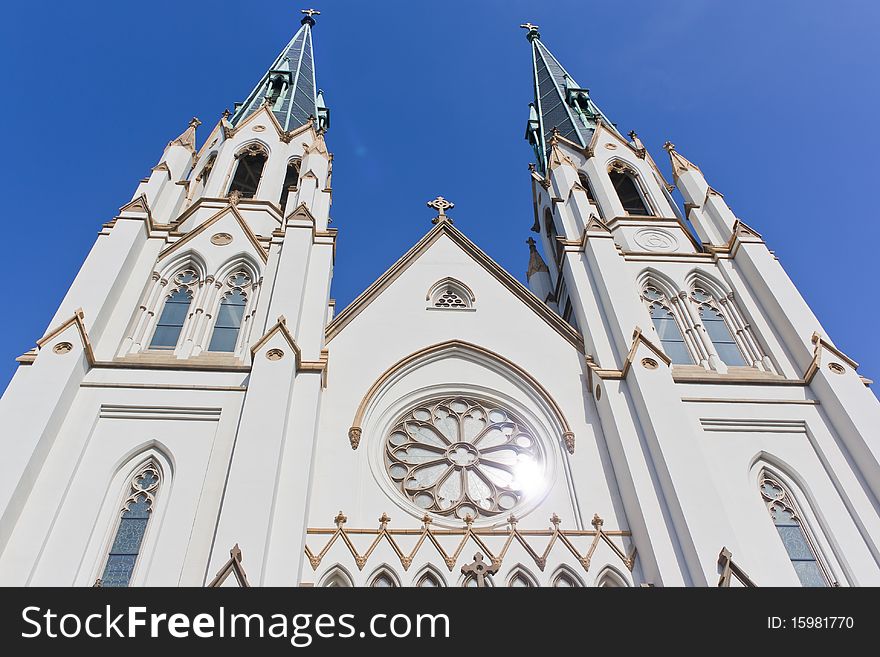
column 132, row 526
column 800, row 549
column 667, row 327
column 460, row 457
column 173, row 316
column 717, row 329
column 230, row 314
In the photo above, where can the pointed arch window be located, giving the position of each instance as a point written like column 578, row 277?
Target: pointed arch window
column 666, row 325
column 716, row 328
column 429, row 580
column 788, row 521
column 552, row 236
column 230, row 314
column 565, row 580
column 249, row 170
column 291, row 180
column 628, row 191
column 609, row 579
column 175, row 311
column 205, row 173
column 383, row 580
column 135, row 516
column 520, row 580
column 338, row 579
column 585, row 183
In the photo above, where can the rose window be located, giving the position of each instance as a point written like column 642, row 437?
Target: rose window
column 459, row 456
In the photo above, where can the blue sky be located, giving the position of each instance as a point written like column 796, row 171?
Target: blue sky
column 775, row 101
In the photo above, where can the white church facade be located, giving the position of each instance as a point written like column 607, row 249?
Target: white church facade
column 659, row 406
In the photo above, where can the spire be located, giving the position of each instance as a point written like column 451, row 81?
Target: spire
column 187, row 139
column 536, row 262
column 559, row 102
column 288, row 87
column 680, row 163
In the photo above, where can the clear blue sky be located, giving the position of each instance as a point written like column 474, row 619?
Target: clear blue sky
column 775, row 101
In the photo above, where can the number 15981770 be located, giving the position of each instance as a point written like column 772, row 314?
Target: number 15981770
column 810, row 623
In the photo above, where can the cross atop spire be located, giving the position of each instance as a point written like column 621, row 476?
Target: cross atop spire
column 532, row 31
column 308, row 18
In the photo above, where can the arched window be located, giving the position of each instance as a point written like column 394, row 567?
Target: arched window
column 550, row 227
column 205, row 173
column 230, row 314
column 801, row 549
column 428, row 580
column 585, row 183
column 716, row 328
column 249, row 170
column 667, row 326
column 291, row 180
column 450, row 294
column 624, row 180
column 565, row 579
column 132, row 526
column 175, row 312
column 337, row 578
column 609, row 579
column 519, row 579
column 383, row 579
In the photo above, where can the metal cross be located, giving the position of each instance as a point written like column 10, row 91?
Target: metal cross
column 479, row 569
column 310, row 12
column 441, row 205
column 529, row 26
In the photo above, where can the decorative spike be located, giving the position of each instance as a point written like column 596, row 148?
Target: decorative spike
column 340, row 519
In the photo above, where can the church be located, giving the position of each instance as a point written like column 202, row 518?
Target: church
column 659, row 406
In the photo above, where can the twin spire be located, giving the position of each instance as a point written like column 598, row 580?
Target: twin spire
column 560, row 103
column 288, row 87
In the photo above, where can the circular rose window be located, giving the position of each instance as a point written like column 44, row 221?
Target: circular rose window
column 458, row 456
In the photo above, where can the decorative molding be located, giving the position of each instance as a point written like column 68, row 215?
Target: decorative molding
column 484, row 539
column 500, row 274
column 750, row 425
column 252, row 238
column 128, row 412
column 452, row 346
column 78, row 319
column 300, row 365
column 820, row 345
column 231, row 567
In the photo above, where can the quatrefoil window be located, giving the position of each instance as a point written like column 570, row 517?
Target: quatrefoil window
column 459, row 457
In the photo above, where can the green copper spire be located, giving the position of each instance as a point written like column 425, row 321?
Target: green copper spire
column 560, row 103
column 288, row 87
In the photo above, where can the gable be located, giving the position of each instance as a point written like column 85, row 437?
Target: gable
column 446, row 253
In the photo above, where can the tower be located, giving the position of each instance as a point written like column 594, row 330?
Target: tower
column 202, row 306
column 692, row 331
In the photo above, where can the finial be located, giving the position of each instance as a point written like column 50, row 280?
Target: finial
column 632, row 134
column 384, row 520
column 441, row 205
column 308, row 16
column 531, row 243
column 226, row 114
column 668, row 146
column 532, row 167
column 532, row 33
column 555, row 520
column 194, row 122
column 340, row 519
column 597, row 522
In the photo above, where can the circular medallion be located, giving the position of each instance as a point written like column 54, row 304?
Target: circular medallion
column 837, row 368
column 62, row 348
column 649, row 363
column 221, row 239
column 275, row 354
column 654, row 239
column 259, row 128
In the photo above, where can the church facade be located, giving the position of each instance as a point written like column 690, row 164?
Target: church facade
column 659, row 406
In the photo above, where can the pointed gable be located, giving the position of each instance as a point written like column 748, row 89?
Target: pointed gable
column 445, row 231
